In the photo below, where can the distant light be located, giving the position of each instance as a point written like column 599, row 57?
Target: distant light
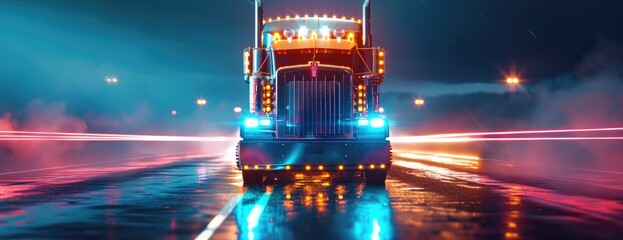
column 201, row 102
column 377, row 122
column 381, row 110
column 512, row 81
column 111, row 80
column 251, row 122
column 419, row 102
column 173, row 112
column 237, row 109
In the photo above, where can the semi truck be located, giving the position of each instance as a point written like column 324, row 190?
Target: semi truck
column 314, row 102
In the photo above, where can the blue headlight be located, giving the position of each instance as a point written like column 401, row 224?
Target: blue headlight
column 363, row 122
column 265, row 122
column 251, row 122
column 377, row 123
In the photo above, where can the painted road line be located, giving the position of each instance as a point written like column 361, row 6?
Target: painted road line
column 218, row 219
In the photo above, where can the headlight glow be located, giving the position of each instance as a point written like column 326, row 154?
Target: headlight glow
column 265, row 122
column 363, row 122
column 377, row 122
column 251, row 122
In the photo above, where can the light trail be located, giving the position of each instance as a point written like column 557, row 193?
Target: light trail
column 103, row 137
column 520, row 132
column 418, row 139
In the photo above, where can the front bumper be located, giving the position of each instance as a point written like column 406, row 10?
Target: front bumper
column 314, row 155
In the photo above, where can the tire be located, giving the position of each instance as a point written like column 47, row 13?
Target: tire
column 252, row 177
column 376, row 177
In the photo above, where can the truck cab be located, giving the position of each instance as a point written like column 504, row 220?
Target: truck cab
column 314, row 86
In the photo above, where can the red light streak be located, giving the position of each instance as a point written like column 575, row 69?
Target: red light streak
column 519, row 132
column 418, row 139
column 68, row 136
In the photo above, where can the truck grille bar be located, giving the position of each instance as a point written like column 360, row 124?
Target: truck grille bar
column 314, row 107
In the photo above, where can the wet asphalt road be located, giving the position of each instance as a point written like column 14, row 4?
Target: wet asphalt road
column 182, row 196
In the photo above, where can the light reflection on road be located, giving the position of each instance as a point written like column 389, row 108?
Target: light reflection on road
column 603, row 209
column 315, row 210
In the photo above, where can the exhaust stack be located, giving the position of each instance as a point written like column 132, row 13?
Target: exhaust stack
column 367, row 37
column 259, row 14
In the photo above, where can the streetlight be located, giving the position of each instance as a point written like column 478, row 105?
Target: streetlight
column 419, row 102
column 111, row 80
column 237, row 109
column 512, row 81
column 202, row 102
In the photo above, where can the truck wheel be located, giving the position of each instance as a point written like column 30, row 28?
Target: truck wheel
column 375, row 177
column 252, row 177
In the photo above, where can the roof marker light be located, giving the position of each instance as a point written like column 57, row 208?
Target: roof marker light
column 303, row 31
column 325, row 31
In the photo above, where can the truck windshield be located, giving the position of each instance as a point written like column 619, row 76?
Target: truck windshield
column 304, row 56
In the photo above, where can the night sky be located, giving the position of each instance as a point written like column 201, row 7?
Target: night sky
column 166, row 54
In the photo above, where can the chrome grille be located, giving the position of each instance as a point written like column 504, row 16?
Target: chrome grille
column 314, row 107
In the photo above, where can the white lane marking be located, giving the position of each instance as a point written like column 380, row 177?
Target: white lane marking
column 256, row 212
column 219, row 219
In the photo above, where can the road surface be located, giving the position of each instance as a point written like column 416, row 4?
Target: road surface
column 187, row 196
